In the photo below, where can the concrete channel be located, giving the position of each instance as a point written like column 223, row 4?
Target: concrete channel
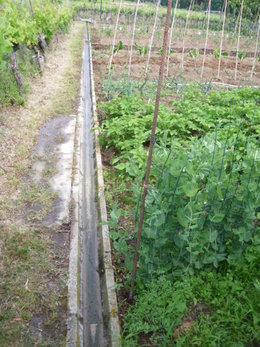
column 92, row 305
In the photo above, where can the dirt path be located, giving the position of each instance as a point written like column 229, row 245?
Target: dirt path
column 33, row 258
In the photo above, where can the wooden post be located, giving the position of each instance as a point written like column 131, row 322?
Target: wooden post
column 16, row 72
column 150, row 153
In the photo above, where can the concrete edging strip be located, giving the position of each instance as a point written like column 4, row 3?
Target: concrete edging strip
column 114, row 326
column 73, row 276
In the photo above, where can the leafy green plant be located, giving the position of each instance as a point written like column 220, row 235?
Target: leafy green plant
column 194, row 53
column 143, row 50
column 127, row 121
column 216, row 53
column 241, row 55
column 118, row 47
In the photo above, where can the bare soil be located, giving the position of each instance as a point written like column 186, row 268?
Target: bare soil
column 192, row 66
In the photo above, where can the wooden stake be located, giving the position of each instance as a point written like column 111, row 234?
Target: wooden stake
column 16, row 72
column 150, row 153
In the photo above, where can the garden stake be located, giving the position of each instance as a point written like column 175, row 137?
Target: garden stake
column 114, row 39
column 133, row 37
column 185, row 31
column 206, row 41
column 238, row 39
column 256, row 48
column 222, row 37
column 152, row 36
column 170, row 39
column 150, row 154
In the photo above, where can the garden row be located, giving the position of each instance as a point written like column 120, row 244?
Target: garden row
column 197, row 281
column 147, row 11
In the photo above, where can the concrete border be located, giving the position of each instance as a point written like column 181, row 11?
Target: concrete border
column 114, row 325
column 74, row 256
column 74, row 314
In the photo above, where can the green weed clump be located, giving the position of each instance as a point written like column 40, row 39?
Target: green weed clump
column 9, row 91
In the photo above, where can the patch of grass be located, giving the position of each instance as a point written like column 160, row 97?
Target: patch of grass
column 27, row 286
column 65, row 101
column 209, row 309
column 9, row 92
column 38, row 200
column 33, row 270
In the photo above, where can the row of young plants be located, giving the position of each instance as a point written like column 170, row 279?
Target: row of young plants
column 22, row 25
column 197, row 280
column 196, row 18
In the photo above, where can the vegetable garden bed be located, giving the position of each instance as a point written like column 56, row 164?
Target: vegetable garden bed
column 197, row 280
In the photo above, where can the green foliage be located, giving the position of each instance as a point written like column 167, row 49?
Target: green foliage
column 202, row 209
column 216, row 53
column 222, row 307
column 194, row 53
column 143, row 50
column 241, row 55
column 9, row 92
column 118, row 47
column 200, row 240
column 127, row 121
column 19, row 29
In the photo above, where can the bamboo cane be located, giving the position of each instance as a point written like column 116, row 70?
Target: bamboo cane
column 170, row 40
column 184, row 34
column 222, row 38
column 238, row 39
column 150, row 154
column 115, row 33
column 256, row 49
column 206, row 41
column 152, row 36
column 133, row 37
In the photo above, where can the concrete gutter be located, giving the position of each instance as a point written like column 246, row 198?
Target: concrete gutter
column 114, row 326
column 74, row 256
column 75, row 318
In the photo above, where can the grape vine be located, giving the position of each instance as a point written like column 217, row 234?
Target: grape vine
column 22, row 25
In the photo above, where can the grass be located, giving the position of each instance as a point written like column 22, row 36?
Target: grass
column 33, row 267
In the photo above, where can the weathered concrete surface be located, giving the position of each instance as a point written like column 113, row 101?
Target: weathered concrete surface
column 53, row 163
